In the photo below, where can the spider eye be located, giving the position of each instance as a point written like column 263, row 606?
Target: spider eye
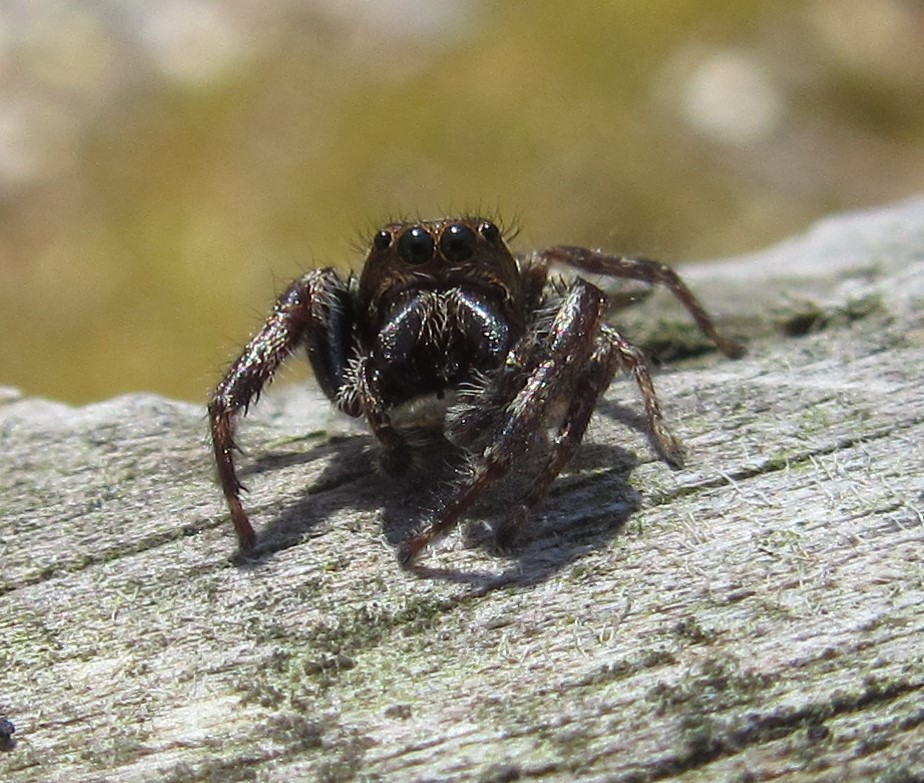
column 382, row 240
column 415, row 246
column 490, row 232
column 458, row 242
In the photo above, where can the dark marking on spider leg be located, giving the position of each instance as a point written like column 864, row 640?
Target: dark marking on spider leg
column 299, row 317
column 647, row 271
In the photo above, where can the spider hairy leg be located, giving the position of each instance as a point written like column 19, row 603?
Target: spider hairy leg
column 631, row 359
column 613, row 353
column 648, row 271
column 302, row 316
column 553, row 368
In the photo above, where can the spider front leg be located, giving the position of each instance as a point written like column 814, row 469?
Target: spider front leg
column 313, row 312
column 645, row 270
column 551, row 368
column 613, row 353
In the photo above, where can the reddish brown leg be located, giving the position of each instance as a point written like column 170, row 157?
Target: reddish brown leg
column 566, row 351
column 302, row 316
column 648, row 271
column 631, row 359
column 613, row 353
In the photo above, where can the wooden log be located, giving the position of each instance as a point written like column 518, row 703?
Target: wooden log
column 756, row 615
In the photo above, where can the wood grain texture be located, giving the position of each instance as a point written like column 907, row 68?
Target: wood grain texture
column 755, row 616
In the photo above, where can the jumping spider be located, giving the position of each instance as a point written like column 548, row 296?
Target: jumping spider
column 444, row 306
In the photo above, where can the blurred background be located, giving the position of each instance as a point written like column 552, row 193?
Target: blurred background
column 165, row 168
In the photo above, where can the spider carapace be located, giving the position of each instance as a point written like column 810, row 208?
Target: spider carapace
column 443, row 306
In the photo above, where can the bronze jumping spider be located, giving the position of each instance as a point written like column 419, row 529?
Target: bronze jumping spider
column 444, row 306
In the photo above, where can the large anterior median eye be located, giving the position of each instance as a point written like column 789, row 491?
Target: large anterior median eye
column 458, row 242
column 415, row 246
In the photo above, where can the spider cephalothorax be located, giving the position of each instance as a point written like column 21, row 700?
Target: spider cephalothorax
column 442, row 305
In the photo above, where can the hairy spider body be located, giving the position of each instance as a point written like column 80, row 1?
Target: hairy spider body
column 443, row 306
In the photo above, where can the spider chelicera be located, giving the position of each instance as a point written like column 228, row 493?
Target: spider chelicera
column 443, row 306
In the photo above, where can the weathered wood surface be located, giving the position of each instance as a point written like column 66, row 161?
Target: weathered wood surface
column 757, row 615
